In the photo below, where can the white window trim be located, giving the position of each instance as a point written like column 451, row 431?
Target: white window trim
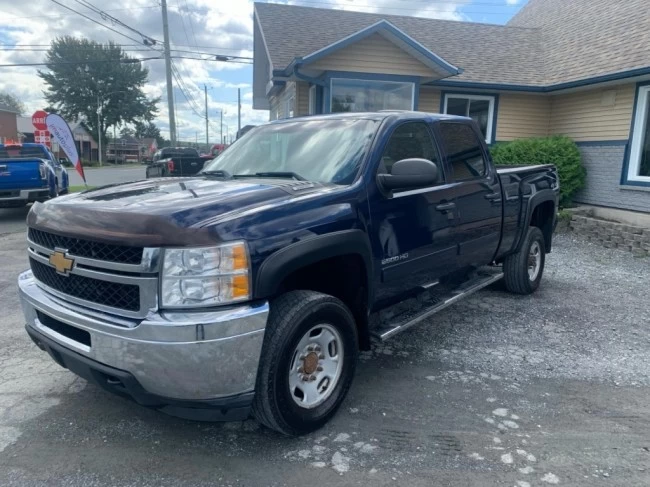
column 640, row 121
column 312, row 100
column 287, row 107
column 468, row 96
column 381, row 80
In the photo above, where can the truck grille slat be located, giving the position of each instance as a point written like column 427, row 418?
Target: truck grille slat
column 113, row 294
column 86, row 248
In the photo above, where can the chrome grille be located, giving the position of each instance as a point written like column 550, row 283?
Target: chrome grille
column 86, row 248
column 113, row 294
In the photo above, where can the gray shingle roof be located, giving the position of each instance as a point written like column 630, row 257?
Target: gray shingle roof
column 587, row 38
column 547, row 42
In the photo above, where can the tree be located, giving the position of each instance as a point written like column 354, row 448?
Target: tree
column 127, row 132
column 12, row 102
column 149, row 129
column 85, row 77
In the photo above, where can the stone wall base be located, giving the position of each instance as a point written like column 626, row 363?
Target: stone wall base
column 610, row 234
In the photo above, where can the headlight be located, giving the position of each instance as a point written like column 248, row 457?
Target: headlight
column 206, row 276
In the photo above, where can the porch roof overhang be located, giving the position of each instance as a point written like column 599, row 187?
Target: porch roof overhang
column 439, row 67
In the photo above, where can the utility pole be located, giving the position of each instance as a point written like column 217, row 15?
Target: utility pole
column 221, row 135
column 238, row 111
column 99, row 130
column 168, row 71
column 205, row 90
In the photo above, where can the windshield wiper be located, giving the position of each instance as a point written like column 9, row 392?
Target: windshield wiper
column 280, row 174
column 220, row 173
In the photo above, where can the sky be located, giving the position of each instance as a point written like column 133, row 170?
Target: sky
column 208, row 27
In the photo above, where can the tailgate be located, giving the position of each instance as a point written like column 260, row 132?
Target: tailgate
column 187, row 166
column 20, row 174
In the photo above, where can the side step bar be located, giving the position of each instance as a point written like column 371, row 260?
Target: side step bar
column 482, row 279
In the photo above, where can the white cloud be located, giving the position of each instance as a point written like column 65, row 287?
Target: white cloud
column 512, row 2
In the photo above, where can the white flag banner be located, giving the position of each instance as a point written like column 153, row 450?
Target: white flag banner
column 60, row 131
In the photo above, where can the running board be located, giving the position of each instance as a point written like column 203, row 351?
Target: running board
column 435, row 303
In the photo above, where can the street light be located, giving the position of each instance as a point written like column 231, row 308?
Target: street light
column 99, row 111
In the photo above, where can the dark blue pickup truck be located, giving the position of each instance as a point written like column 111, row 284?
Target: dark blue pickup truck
column 28, row 173
column 251, row 287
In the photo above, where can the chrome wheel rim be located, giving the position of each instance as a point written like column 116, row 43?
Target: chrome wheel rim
column 316, row 366
column 534, row 260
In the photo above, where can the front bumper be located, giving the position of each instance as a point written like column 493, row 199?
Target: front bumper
column 195, row 360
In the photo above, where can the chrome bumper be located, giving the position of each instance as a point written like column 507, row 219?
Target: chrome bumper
column 190, row 356
column 28, row 195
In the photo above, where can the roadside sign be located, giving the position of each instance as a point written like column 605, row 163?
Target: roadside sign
column 38, row 120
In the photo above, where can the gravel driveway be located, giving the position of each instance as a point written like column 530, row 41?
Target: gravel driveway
column 503, row 390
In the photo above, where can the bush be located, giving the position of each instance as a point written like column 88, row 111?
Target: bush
column 558, row 150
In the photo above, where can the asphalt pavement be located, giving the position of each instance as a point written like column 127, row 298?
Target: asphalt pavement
column 99, row 176
column 499, row 390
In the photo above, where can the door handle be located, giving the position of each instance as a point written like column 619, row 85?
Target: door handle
column 446, row 206
column 492, row 196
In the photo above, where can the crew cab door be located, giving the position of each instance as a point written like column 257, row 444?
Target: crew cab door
column 412, row 231
column 477, row 192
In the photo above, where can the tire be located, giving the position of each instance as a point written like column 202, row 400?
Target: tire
column 293, row 315
column 518, row 278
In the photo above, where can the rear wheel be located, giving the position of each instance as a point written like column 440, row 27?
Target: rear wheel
column 307, row 364
column 523, row 270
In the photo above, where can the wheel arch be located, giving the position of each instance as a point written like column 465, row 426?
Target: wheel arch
column 338, row 263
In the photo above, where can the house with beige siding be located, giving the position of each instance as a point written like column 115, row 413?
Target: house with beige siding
column 578, row 68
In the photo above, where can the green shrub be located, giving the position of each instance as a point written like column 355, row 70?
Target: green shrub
column 558, row 150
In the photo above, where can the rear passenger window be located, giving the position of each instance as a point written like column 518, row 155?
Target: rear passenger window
column 464, row 151
column 408, row 141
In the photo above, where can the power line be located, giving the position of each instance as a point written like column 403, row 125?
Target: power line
column 191, row 24
column 95, row 21
column 119, row 61
column 114, row 20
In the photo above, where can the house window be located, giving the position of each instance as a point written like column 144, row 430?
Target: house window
column 312, row 100
column 289, row 107
column 639, row 167
column 354, row 95
column 479, row 108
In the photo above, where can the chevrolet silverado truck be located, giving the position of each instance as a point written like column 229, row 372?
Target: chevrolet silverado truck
column 251, row 287
column 29, row 173
column 176, row 161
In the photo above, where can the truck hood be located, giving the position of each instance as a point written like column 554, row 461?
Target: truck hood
column 150, row 213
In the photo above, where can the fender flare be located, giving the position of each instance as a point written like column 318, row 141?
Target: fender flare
column 534, row 202
column 291, row 258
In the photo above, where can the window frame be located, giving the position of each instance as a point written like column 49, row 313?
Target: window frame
column 639, row 126
column 486, row 159
column 444, row 174
column 312, row 100
column 362, row 80
column 288, row 112
column 492, row 110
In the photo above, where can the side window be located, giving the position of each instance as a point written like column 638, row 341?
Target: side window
column 463, row 150
column 408, row 141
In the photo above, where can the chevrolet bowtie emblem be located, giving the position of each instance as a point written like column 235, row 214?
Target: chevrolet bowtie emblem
column 61, row 263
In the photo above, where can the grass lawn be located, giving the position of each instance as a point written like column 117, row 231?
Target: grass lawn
column 78, row 188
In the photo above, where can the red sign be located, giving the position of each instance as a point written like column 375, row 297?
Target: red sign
column 43, row 137
column 38, row 120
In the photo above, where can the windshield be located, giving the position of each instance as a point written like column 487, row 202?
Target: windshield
column 328, row 151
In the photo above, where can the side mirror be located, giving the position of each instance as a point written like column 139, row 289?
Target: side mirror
column 409, row 174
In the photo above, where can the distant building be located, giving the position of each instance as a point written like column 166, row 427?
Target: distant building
column 8, row 124
column 130, row 149
column 86, row 144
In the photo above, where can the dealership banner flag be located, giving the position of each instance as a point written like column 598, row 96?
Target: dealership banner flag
column 60, row 130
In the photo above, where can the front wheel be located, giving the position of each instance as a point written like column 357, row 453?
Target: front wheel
column 523, row 270
column 307, row 364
